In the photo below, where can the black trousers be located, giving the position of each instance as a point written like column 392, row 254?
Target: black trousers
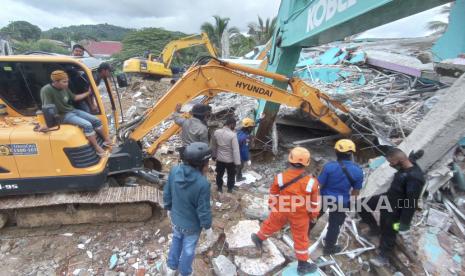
column 387, row 219
column 335, row 220
column 239, row 171
column 230, row 168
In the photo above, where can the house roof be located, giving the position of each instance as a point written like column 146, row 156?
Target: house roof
column 104, row 47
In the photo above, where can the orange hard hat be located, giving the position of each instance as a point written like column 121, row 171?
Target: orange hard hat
column 299, row 155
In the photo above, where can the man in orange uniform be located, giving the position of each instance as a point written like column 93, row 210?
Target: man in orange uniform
column 294, row 197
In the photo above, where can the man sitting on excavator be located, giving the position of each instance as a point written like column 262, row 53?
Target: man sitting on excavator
column 58, row 94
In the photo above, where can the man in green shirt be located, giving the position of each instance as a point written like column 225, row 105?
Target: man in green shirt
column 58, row 93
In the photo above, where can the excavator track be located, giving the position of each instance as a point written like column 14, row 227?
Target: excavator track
column 112, row 204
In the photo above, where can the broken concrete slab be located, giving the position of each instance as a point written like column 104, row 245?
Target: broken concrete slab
column 436, row 134
column 267, row 263
column 205, row 244
column 223, row 266
column 3, row 220
column 255, row 207
column 434, row 255
column 287, row 252
column 238, row 238
column 399, row 63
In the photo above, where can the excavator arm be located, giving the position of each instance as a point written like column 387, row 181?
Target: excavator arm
column 217, row 76
column 190, row 41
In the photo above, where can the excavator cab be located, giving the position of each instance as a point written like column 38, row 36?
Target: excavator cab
column 60, row 159
column 160, row 66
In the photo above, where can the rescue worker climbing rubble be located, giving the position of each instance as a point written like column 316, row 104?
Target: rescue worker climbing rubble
column 402, row 198
column 294, row 199
column 338, row 181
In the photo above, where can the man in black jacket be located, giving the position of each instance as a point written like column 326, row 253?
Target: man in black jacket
column 403, row 196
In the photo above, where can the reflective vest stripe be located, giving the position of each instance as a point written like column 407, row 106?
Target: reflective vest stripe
column 301, row 251
column 280, row 180
column 310, row 185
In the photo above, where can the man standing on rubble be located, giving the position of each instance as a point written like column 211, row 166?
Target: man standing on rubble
column 193, row 129
column 294, row 200
column 244, row 136
column 403, row 196
column 186, row 196
column 338, row 181
column 225, row 150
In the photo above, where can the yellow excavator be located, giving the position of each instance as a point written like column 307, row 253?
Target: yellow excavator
column 160, row 67
column 56, row 177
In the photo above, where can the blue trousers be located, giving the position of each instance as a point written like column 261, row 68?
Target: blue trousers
column 82, row 119
column 182, row 250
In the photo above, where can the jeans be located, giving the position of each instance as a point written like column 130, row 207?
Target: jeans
column 82, row 105
column 182, row 250
column 84, row 120
column 221, row 167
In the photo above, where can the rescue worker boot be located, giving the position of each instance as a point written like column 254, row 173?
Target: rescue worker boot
column 257, row 241
column 329, row 250
column 304, row 267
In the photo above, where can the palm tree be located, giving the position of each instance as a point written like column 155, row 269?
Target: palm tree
column 437, row 26
column 216, row 31
column 263, row 31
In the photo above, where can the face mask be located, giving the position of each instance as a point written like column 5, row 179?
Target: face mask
column 396, row 166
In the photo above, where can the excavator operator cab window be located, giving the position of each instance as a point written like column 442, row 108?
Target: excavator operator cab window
column 20, row 83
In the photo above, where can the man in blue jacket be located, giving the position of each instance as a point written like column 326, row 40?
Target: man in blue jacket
column 186, row 196
column 338, row 181
column 244, row 137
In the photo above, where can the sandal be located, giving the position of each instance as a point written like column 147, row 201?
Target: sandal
column 108, row 145
column 103, row 154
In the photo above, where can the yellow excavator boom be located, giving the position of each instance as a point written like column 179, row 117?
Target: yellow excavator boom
column 190, row 41
column 217, row 76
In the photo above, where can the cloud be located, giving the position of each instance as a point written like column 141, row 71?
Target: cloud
column 177, row 15
column 412, row 26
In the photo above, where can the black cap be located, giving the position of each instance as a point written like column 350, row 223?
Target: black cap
column 104, row 66
column 79, row 46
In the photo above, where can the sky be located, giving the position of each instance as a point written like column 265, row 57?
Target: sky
column 175, row 15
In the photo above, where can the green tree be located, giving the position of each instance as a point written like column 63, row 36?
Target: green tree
column 263, row 30
column 216, row 30
column 437, row 26
column 21, row 30
column 241, row 45
column 154, row 39
column 43, row 45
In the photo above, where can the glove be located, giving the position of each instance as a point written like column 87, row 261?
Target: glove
column 400, row 227
column 249, row 163
column 209, row 234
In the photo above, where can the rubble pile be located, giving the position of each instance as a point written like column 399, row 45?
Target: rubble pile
column 387, row 90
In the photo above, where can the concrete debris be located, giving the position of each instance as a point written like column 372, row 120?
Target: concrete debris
column 205, row 244
column 437, row 134
column 3, row 220
column 238, row 238
column 223, row 266
column 255, row 207
column 268, row 262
